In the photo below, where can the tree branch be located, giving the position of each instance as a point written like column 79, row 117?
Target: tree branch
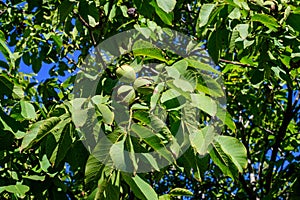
column 287, row 117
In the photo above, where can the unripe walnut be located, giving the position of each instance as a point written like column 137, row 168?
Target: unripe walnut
column 126, row 73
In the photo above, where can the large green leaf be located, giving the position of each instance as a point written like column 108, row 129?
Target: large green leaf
column 155, row 142
column 235, row 149
column 230, row 155
column 119, row 155
column 184, row 85
column 63, row 145
column 226, row 118
column 204, row 103
column 41, row 129
column 140, row 188
column 99, row 160
column 5, row 122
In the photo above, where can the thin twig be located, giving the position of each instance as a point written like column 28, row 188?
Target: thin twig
column 234, row 62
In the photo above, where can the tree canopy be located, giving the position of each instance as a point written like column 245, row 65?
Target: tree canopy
column 157, row 99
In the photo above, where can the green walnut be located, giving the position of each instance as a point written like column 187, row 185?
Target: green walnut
column 143, row 85
column 125, row 73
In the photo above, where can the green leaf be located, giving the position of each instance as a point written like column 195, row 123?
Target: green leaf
column 169, row 95
column 243, row 30
column 204, row 103
column 202, row 140
column 144, row 48
column 27, row 110
column 118, row 155
column 166, row 5
column 180, row 192
column 39, row 130
column 235, row 149
column 266, row 20
column 141, row 187
column 205, row 12
column 150, row 138
column 96, row 162
column 230, row 155
column 64, row 9
column 167, row 18
column 293, row 21
column 4, row 126
column 6, row 51
column 165, row 197
column 213, row 46
column 181, row 66
column 107, row 114
column 112, row 12
column 226, row 118
column 183, row 85
column 31, row 134
column 210, row 86
column 45, row 164
column 35, row 177
column 19, row 190
column 57, row 39
column 235, row 14
column 200, row 65
column 156, row 94
column 63, row 145
column 18, row 92
column 6, row 85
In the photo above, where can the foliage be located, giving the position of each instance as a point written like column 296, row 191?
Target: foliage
column 255, row 46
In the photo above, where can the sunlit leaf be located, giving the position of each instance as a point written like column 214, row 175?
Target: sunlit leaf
column 204, row 103
column 166, row 5
column 27, row 110
column 205, row 12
